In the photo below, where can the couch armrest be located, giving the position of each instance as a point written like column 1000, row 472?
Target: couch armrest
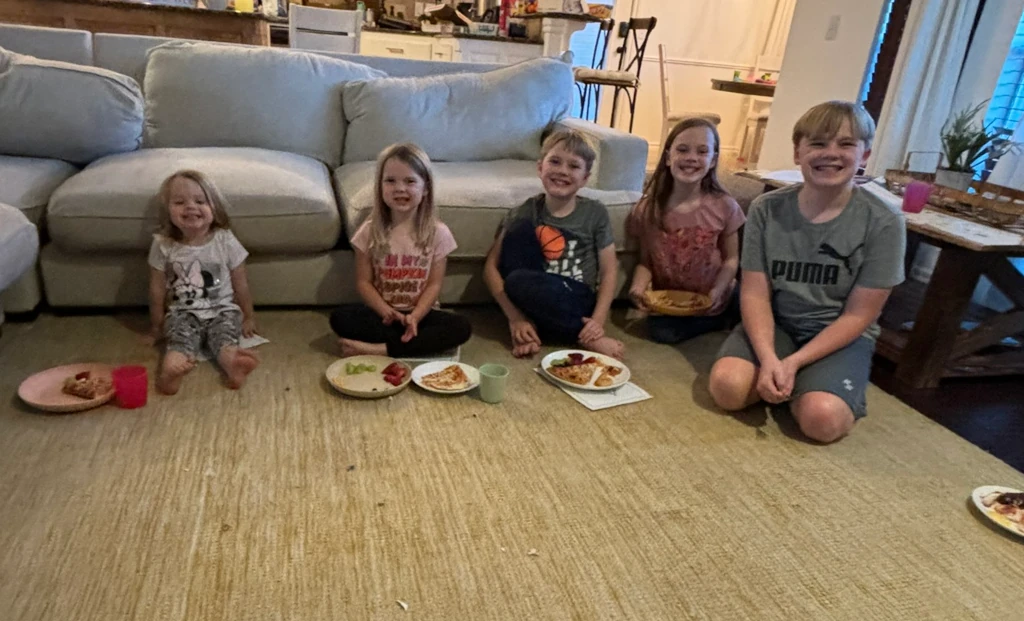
column 621, row 158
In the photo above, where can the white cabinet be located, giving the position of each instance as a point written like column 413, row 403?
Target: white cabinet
column 445, row 48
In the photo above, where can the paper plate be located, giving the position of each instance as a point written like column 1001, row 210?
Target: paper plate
column 677, row 303
column 618, row 380
column 978, row 494
column 433, row 367
column 369, row 384
column 44, row 390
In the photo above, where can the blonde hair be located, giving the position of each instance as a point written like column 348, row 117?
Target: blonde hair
column 425, row 220
column 574, row 142
column 826, row 119
column 218, row 204
column 659, row 188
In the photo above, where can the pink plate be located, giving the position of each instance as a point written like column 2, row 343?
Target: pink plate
column 43, row 390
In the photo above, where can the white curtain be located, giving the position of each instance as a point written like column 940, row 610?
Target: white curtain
column 924, row 80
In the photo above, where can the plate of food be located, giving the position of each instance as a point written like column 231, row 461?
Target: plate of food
column 449, row 378
column 584, row 370
column 369, row 377
column 677, row 303
column 68, row 388
column 1002, row 505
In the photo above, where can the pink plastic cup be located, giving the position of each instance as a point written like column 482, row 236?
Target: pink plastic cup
column 915, row 196
column 131, row 384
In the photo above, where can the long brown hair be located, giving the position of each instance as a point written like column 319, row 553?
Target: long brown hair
column 218, row 204
column 425, row 220
column 659, row 188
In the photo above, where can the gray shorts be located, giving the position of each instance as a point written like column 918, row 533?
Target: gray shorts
column 187, row 333
column 844, row 373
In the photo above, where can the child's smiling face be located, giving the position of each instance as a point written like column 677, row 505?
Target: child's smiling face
column 691, row 154
column 831, row 162
column 401, row 187
column 189, row 207
column 562, row 173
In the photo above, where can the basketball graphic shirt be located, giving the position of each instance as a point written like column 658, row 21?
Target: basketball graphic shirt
column 812, row 268
column 400, row 274
column 569, row 245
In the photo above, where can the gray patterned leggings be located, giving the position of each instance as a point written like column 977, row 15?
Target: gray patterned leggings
column 185, row 332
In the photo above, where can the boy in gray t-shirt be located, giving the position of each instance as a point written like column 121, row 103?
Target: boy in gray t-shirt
column 819, row 260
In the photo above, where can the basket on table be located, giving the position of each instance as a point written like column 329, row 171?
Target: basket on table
column 988, row 203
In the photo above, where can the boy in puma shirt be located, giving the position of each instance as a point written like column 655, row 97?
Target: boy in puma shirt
column 819, row 261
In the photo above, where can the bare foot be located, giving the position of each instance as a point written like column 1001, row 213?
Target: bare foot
column 173, row 367
column 237, row 364
column 349, row 347
column 608, row 346
column 525, row 350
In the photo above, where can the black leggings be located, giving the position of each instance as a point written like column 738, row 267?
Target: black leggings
column 438, row 331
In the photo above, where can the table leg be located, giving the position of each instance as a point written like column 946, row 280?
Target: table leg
column 938, row 321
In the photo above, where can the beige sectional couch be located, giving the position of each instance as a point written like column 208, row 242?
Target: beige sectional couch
column 289, row 138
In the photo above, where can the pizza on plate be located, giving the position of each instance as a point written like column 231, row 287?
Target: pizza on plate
column 451, row 377
column 1007, row 504
column 608, row 375
column 579, row 374
column 679, row 301
column 86, row 386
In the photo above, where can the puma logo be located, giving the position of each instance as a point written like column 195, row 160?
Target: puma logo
column 831, row 252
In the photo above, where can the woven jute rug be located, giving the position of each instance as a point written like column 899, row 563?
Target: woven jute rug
column 288, row 501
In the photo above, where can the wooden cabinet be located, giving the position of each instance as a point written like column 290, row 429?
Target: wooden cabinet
column 445, row 48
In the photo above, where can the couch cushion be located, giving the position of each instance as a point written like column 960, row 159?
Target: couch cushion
column 279, row 202
column 465, row 117
column 19, row 245
column 28, row 182
column 64, row 111
column 63, row 44
column 210, row 95
column 124, row 54
column 472, row 198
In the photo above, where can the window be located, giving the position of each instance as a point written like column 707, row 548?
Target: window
column 883, row 56
column 1007, row 105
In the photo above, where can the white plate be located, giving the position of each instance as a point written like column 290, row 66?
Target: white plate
column 619, row 379
column 369, row 384
column 433, row 367
column 991, row 514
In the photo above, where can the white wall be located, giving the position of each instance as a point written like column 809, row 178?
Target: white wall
column 816, row 69
column 704, row 39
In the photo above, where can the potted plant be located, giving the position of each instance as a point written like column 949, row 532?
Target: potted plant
column 966, row 145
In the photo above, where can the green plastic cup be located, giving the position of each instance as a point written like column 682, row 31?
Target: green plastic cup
column 493, row 379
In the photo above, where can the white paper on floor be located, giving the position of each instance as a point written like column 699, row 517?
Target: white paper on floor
column 246, row 342
column 602, row 399
column 452, row 355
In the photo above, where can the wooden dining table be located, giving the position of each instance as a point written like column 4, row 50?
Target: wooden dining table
column 743, row 87
column 937, row 346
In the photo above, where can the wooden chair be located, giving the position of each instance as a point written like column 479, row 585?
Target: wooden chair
column 669, row 116
column 625, row 79
column 758, row 111
column 324, row 30
column 597, row 60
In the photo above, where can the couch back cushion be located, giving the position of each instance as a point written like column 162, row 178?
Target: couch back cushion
column 496, row 115
column 124, row 53
column 66, row 111
column 63, row 44
column 211, row 95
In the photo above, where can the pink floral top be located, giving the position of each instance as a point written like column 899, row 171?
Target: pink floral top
column 684, row 255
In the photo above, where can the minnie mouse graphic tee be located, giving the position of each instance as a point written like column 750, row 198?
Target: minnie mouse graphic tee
column 683, row 254
column 199, row 277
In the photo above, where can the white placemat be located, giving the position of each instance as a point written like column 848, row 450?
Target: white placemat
column 603, row 399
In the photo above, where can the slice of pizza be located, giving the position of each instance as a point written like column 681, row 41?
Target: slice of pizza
column 449, row 378
column 85, row 386
column 608, row 375
column 579, row 374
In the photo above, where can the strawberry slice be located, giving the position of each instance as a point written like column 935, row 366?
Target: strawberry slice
column 84, row 375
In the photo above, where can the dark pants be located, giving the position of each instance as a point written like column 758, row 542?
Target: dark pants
column 556, row 304
column 674, row 330
column 438, row 331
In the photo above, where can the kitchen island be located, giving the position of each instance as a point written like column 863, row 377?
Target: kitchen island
column 136, row 18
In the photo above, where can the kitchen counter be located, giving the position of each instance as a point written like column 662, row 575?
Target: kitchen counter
column 122, row 17
column 453, row 35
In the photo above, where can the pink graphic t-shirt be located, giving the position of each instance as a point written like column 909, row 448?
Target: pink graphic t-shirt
column 684, row 255
column 401, row 274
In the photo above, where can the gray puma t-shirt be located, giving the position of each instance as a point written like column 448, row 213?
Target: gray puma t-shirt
column 813, row 267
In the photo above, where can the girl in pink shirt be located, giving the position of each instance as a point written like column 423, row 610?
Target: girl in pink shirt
column 687, row 228
column 401, row 252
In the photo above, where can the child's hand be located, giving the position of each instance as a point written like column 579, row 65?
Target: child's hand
column 154, row 336
column 393, row 316
column 523, row 331
column 592, row 330
column 411, row 328
column 248, row 326
column 785, row 376
column 638, row 297
column 720, row 296
column 768, row 381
